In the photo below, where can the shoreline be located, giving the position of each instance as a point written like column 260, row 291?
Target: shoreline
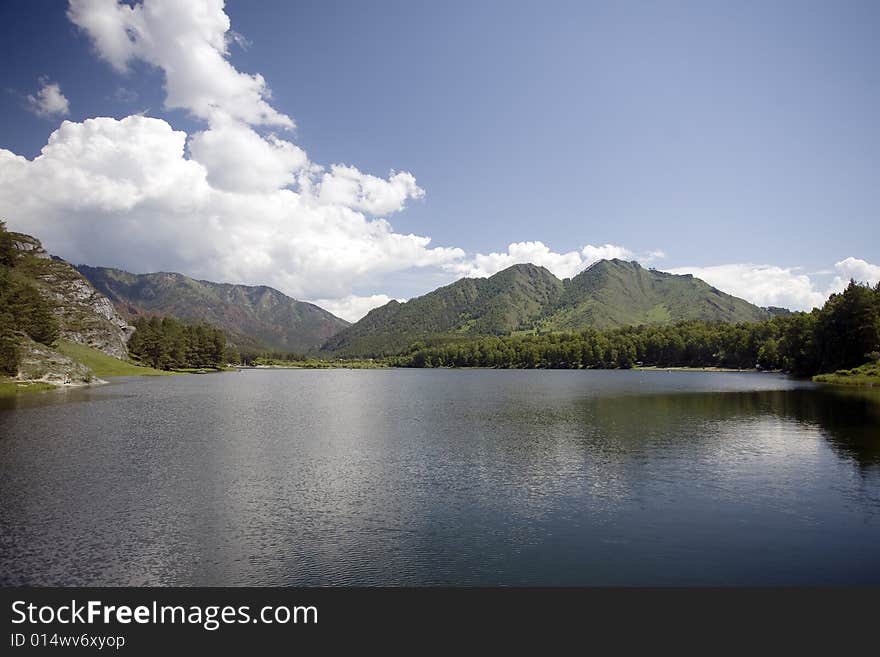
column 867, row 375
column 15, row 387
column 647, row 368
column 11, row 388
column 676, row 368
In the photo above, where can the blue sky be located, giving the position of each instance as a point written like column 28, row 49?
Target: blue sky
column 741, row 140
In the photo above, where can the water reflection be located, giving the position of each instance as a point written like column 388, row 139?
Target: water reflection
column 848, row 419
column 443, row 477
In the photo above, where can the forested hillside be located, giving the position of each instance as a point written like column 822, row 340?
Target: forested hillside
column 526, row 297
column 254, row 318
column 844, row 334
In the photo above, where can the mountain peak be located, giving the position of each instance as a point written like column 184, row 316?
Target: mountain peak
column 526, row 269
column 528, row 297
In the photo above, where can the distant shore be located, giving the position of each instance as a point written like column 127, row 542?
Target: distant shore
column 659, row 368
column 866, row 375
column 106, row 366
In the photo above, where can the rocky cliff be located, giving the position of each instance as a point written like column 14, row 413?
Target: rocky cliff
column 85, row 316
column 40, row 363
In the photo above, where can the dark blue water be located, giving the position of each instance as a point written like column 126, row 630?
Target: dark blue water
column 399, row 477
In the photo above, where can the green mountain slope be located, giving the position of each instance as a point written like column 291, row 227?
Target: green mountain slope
column 510, row 300
column 253, row 317
column 614, row 293
column 529, row 298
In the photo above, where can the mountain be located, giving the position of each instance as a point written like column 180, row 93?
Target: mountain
column 499, row 304
column 613, row 293
column 253, row 317
column 84, row 315
column 529, row 298
column 44, row 300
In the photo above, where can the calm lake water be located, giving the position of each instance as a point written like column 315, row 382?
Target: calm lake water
column 420, row 477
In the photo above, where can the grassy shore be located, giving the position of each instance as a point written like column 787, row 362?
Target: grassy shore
column 10, row 388
column 866, row 375
column 102, row 364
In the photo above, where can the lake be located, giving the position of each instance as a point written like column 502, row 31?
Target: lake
column 429, row 477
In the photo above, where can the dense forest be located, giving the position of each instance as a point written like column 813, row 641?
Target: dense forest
column 845, row 333
column 166, row 344
column 24, row 311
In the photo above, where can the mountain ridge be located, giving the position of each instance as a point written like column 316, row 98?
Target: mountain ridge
column 526, row 297
column 254, row 317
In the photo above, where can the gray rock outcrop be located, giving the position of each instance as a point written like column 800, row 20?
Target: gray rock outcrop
column 85, row 316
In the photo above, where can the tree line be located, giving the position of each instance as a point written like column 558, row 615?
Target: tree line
column 166, row 344
column 267, row 357
column 24, row 311
column 844, row 333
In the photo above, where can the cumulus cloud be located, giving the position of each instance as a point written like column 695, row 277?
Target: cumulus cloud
column 786, row 287
column 562, row 265
column 593, row 254
column 353, row 307
column 123, row 192
column 188, row 40
column 104, row 165
column 854, row 269
column 345, row 185
column 237, row 159
column 226, row 203
column 49, row 102
column 763, row 285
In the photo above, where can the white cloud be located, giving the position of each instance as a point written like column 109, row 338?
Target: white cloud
column 237, row 159
column 188, row 40
column 49, row 102
column 123, row 193
column 124, row 95
column 651, row 256
column 225, row 203
column 353, row 307
column 768, row 285
column 763, row 285
column 240, row 40
column 101, row 164
column 855, row 269
column 562, row 265
column 593, row 254
column 345, row 185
